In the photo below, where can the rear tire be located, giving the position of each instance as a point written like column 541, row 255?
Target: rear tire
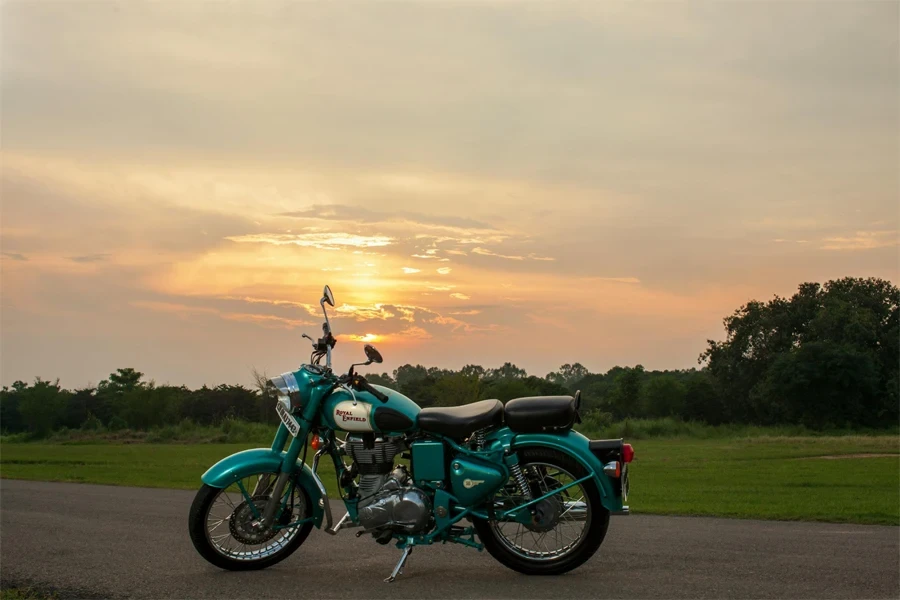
column 597, row 522
column 197, row 525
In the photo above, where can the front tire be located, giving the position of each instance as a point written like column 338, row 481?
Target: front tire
column 539, row 466
column 217, row 525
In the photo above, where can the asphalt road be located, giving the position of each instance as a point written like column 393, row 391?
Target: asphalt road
column 101, row 541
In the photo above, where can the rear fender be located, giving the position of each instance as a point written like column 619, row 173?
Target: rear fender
column 571, row 443
column 264, row 460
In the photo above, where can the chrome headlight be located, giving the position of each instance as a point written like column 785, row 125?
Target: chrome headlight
column 286, row 390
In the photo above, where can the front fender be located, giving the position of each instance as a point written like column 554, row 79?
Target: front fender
column 575, row 445
column 264, row 460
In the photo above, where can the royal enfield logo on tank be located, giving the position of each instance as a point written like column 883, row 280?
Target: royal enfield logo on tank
column 353, row 416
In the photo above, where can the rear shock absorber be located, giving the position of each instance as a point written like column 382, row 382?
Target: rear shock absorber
column 516, row 471
column 479, row 439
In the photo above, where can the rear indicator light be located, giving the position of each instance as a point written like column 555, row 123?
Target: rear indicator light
column 627, row 453
column 613, row 469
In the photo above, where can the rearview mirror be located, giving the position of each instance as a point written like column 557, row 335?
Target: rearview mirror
column 327, row 296
column 372, row 354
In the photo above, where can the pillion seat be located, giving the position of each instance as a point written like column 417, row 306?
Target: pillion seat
column 461, row 421
column 542, row 413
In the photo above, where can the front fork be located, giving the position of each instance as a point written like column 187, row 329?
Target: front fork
column 287, row 467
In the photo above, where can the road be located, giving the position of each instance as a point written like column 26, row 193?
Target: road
column 102, row 541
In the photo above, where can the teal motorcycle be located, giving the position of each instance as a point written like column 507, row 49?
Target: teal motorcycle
column 515, row 480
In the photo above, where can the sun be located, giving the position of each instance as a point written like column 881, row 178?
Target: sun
column 369, row 337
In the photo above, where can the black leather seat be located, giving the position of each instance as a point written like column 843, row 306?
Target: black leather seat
column 541, row 413
column 461, row 421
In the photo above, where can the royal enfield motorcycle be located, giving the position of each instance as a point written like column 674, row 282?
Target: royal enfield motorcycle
column 515, row 480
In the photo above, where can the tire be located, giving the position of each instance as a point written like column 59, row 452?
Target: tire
column 200, row 508
column 597, row 522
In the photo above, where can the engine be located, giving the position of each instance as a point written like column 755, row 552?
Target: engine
column 388, row 500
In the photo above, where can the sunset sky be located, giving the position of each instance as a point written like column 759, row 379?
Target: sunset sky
column 538, row 183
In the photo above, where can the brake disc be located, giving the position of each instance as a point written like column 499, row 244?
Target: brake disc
column 245, row 527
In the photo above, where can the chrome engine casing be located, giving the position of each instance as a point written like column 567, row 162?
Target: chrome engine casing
column 398, row 506
column 387, row 498
column 374, row 463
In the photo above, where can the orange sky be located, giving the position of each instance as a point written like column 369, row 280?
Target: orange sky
column 478, row 183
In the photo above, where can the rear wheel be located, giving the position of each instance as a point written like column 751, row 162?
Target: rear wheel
column 224, row 526
column 557, row 534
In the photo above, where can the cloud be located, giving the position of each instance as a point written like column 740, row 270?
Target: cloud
column 323, row 241
column 486, row 252
column 90, row 258
column 444, row 270
column 365, row 337
column 15, row 256
column 861, row 240
column 365, row 313
column 459, row 296
column 184, row 310
column 465, row 313
column 631, row 280
column 359, row 214
column 410, row 270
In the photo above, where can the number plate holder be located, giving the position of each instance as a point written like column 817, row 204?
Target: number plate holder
column 293, row 426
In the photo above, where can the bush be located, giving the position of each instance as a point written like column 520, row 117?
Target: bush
column 117, row 423
column 92, row 423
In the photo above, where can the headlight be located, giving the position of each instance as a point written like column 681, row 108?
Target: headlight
column 286, row 391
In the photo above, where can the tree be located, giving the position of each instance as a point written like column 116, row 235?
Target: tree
column 407, row 375
column 625, row 396
column 843, row 323
column 662, row 396
column 457, row 389
column 568, row 376
column 822, row 384
column 41, row 406
column 507, row 371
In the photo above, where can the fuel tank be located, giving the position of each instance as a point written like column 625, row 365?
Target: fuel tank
column 397, row 415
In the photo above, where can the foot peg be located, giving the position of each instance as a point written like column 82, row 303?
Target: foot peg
column 398, row 570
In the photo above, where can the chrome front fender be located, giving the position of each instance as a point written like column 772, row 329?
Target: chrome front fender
column 265, row 460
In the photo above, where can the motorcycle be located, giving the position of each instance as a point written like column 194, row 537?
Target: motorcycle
column 533, row 492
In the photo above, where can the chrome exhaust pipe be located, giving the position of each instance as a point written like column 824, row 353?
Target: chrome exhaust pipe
column 574, row 511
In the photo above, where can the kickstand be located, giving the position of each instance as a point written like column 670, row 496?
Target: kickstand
column 398, row 570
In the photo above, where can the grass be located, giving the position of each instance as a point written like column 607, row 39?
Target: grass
column 595, row 426
column 764, row 477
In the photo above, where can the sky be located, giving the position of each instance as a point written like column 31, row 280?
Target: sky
column 541, row 183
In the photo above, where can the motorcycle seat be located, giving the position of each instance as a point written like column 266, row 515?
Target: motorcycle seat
column 541, row 413
column 461, row 421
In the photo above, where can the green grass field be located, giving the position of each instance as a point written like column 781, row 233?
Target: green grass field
column 801, row 478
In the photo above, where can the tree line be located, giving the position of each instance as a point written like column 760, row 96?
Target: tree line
column 828, row 356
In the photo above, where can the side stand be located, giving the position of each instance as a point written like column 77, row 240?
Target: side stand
column 398, row 570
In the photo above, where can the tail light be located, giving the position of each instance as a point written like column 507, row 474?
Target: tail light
column 627, row 453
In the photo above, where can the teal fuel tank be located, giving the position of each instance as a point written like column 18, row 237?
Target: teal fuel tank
column 369, row 414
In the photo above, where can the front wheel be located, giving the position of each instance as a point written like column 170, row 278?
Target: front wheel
column 224, row 526
column 558, row 533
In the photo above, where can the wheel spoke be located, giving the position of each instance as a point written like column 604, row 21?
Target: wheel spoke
column 234, row 508
column 555, row 531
